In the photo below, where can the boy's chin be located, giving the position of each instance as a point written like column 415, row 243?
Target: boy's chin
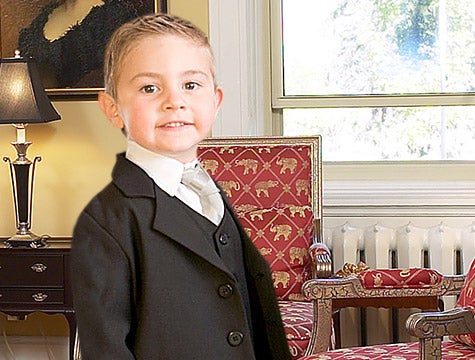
column 184, row 155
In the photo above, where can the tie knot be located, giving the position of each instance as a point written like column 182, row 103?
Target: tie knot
column 198, row 180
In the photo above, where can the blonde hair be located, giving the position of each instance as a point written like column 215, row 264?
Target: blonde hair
column 127, row 35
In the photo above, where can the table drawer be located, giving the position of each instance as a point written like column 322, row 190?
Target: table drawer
column 32, row 270
column 31, row 296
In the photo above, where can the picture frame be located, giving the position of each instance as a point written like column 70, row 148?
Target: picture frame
column 68, row 51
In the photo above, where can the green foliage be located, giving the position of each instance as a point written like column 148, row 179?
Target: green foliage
column 416, row 30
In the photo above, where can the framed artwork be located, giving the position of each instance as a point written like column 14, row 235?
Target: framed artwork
column 67, row 38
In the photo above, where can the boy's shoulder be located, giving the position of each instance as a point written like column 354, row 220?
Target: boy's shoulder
column 128, row 181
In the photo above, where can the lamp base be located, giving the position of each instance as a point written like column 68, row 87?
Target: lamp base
column 28, row 240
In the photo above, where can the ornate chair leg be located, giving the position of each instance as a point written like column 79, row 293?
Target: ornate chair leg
column 321, row 339
column 430, row 349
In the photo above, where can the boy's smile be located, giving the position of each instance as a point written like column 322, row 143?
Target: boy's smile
column 166, row 98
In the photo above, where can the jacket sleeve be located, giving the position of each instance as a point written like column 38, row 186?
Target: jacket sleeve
column 102, row 295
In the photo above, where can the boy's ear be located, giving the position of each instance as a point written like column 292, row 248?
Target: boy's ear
column 109, row 108
column 218, row 97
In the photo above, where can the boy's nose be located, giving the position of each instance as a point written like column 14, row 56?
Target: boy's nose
column 173, row 100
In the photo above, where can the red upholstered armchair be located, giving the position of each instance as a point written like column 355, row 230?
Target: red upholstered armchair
column 274, row 185
column 402, row 288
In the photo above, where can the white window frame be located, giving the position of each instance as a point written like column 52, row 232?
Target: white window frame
column 279, row 101
column 240, row 36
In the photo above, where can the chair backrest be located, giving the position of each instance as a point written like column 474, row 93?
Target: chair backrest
column 274, row 185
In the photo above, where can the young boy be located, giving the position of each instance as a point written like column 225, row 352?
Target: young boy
column 153, row 278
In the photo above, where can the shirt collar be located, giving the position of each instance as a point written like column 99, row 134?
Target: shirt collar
column 166, row 172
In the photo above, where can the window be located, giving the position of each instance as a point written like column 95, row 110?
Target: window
column 379, row 79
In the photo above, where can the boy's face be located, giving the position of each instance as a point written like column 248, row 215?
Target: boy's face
column 166, row 97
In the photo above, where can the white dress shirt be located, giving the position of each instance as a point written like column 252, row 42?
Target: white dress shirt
column 166, row 172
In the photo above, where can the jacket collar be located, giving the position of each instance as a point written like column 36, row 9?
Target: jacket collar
column 131, row 179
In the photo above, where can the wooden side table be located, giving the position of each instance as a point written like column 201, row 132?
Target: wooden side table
column 34, row 280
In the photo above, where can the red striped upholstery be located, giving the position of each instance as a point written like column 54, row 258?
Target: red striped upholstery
column 404, row 351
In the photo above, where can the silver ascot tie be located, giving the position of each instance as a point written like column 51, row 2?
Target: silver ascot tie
column 201, row 183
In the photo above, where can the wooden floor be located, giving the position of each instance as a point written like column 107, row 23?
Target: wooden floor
column 34, row 348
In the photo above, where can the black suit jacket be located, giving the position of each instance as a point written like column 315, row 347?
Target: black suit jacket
column 146, row 282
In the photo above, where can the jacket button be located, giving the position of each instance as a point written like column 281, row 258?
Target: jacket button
column 235, row 338
column 223, row 239
column 225, row 291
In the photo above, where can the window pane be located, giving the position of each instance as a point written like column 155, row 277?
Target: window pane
column 378, row 46
column 371, row 134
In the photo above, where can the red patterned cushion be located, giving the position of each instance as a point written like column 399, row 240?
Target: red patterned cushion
column 399, row 278
column 271, row 190
column 297, row 317
column 467, row 300
column 404, row 351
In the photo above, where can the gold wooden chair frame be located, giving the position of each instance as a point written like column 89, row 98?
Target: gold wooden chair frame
column 275, row 187
column 330, row 295
column 431, row 327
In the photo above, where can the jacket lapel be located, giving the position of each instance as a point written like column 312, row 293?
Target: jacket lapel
column 170, row 220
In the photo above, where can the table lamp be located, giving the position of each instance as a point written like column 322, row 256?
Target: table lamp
column 23, row 101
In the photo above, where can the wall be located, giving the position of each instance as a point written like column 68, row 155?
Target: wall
column 78, row 153
column 193, row 10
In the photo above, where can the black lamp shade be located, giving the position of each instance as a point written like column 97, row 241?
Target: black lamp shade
column 23, row 99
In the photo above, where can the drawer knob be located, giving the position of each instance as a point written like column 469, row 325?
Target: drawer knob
column 39, row 297
column 39, row 267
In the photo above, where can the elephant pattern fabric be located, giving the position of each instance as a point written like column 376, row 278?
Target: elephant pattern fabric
column 399, row 278
column 273, row 189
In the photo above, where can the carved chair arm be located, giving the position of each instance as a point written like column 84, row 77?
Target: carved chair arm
column 430, row 328
column 351, row 287
column 438, row 324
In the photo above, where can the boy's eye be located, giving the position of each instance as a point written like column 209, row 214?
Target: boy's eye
column 191, row 86
column 149, row 89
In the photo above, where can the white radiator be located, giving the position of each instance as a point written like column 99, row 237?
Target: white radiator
column 447, row 249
